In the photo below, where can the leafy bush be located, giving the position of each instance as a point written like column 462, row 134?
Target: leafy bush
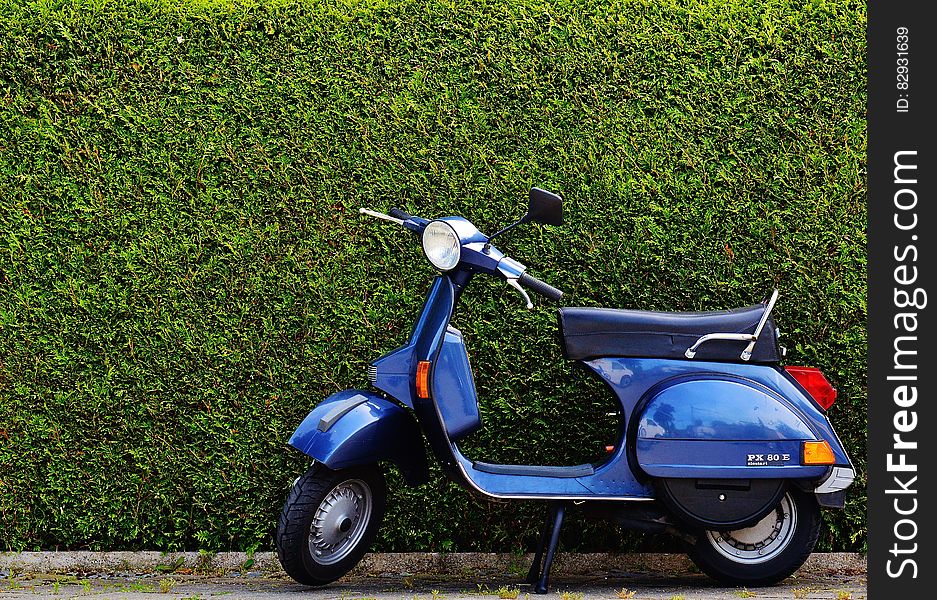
column 183, row 274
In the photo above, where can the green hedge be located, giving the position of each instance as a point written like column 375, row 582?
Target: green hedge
column 183, row 273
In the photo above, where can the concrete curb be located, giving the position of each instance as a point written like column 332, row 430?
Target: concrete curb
column 384, row 564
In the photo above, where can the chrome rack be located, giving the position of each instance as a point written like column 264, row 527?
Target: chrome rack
column 751, row 338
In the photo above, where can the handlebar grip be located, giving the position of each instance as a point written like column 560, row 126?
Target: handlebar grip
column 541, row 287
column 399, row 214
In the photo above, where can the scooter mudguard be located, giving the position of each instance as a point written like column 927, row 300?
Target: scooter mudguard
column 357, row 427
column 720, row 426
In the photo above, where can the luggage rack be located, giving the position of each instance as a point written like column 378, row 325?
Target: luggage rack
column 751, row 338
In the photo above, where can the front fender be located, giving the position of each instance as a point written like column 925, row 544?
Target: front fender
column 357, row 427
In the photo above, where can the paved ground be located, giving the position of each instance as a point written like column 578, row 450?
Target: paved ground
column 616, row 585
column 815, row 582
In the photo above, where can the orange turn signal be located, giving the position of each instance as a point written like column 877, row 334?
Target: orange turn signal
column 422, row 379
column 818, row 453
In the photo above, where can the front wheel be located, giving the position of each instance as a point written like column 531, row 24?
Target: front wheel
column 765, row 553
column 328, row 522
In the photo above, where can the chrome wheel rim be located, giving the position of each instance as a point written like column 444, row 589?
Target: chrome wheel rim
column 762, row 541
column 340, row 521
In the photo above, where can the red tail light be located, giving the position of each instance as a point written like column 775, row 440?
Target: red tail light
column 815, row 384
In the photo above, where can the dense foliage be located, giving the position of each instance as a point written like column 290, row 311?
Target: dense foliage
column 183, row 273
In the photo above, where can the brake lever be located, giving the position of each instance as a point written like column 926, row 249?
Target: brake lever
column 513, row 283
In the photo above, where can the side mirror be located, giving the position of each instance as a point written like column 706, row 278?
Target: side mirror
column 545, row 207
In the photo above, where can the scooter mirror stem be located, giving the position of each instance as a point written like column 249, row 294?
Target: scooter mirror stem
column 521, row 221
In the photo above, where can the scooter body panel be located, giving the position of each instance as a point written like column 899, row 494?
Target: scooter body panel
column 454, row 387
column 393, row 374
column 357, row 427
column 716, row 420
column 708, row 407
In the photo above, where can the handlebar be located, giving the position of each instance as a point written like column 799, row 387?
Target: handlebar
column 541, row 287
column 510, row 269
column 414, row 224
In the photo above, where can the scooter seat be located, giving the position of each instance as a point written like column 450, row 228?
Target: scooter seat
column 599, row 332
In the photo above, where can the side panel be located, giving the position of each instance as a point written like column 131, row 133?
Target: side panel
column 709, row 434
column 453, row 388
column 722, row 426
column 356, row 427
column 719, row 409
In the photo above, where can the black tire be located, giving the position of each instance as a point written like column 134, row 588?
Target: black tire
column 733, row 557
column 351, row 526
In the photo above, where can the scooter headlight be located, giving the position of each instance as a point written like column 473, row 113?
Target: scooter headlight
column 441, row 245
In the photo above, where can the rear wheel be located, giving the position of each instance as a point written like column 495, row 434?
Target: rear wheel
column 765, row 553
column 328, row 522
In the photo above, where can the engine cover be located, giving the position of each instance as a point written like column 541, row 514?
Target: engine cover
column 721, row 504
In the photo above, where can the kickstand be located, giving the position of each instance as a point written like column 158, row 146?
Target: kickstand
column 549, row 535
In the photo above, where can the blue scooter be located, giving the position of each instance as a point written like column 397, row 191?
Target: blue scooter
column 719, row 444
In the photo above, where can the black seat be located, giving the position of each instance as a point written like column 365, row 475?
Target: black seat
column 597, row 332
